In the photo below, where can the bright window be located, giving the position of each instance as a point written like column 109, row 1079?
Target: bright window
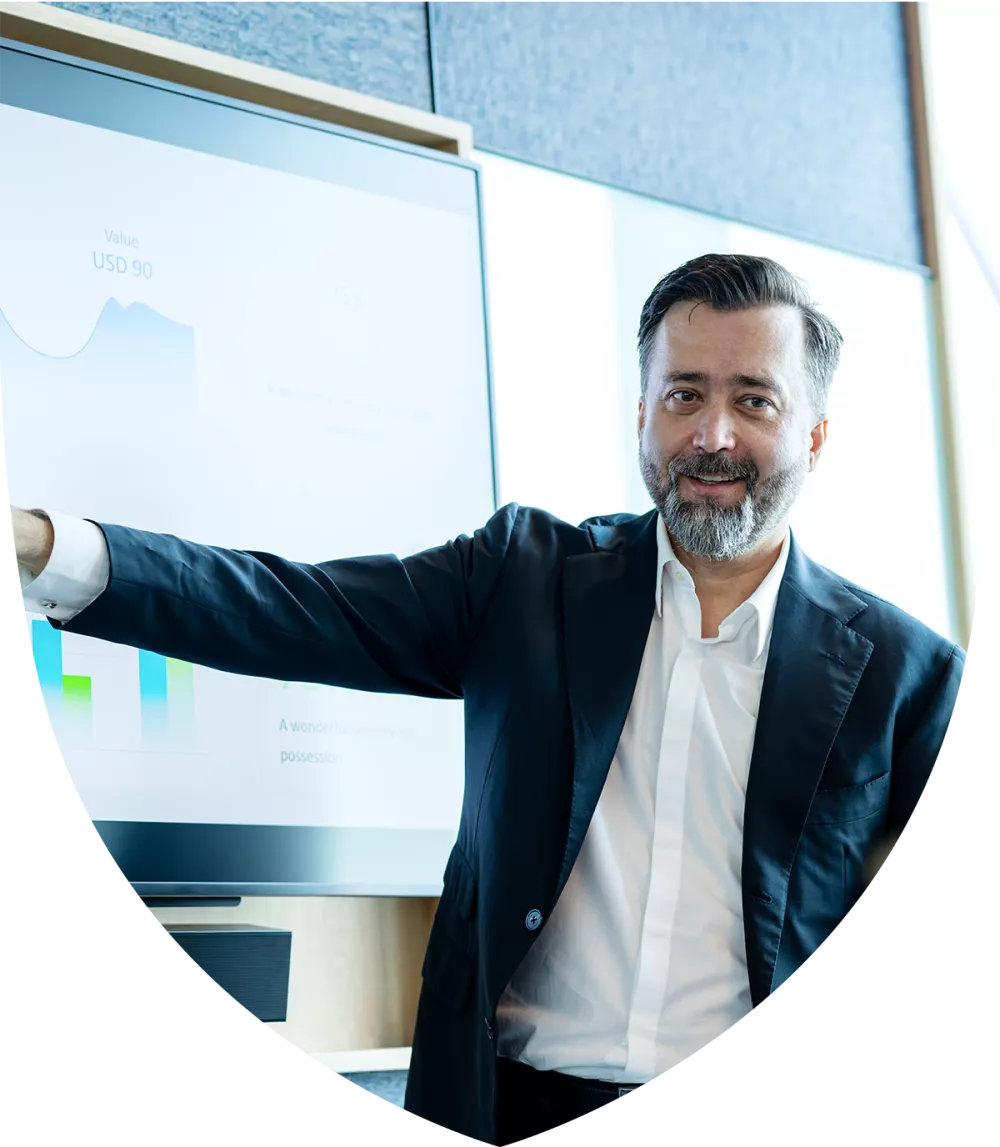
column 960, row 54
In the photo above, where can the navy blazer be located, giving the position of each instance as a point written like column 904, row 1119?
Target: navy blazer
column 540, row 627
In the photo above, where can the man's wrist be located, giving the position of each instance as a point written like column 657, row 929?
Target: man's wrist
column 33, row 538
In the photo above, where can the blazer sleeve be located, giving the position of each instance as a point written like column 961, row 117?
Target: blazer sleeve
column 913, row 762
column 381, row 624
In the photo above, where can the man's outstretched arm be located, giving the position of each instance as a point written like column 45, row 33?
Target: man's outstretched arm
column 378, row 623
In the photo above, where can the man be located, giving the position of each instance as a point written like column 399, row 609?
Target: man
column 683, row 738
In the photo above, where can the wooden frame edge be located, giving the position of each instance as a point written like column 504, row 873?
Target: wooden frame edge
column 931, row 217
column 161, row 58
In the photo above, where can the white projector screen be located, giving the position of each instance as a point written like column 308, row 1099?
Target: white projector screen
column 253, row 332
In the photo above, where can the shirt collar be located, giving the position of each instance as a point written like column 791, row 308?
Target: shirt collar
column 761, row 603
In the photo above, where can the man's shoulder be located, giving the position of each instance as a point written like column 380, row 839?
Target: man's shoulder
column 885, row 623
column 540, row 529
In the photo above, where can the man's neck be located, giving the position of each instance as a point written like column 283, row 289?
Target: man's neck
column 723, row 586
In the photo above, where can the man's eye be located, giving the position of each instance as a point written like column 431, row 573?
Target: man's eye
column 684, row 395
column 757, row 402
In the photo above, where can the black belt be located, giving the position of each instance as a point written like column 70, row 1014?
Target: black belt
column 561, row 1086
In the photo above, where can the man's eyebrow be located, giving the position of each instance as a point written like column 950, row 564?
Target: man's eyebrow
column 758, row 381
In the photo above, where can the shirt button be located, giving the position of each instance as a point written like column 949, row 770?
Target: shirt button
column 47, row 604
column 533, row 920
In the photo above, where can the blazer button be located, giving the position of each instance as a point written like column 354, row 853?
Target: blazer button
column 533, row 920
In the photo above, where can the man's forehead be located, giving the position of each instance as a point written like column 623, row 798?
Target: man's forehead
column 695, row 336
column 693, row 323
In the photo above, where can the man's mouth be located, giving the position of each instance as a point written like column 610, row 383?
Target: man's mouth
column 712, row 480
column 709, row 483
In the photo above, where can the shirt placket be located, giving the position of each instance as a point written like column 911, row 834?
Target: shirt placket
column 652, row 972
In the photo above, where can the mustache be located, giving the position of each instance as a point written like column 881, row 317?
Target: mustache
column 718, row 464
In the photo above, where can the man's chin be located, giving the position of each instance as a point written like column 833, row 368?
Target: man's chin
column 700, row 511
column 697, row 531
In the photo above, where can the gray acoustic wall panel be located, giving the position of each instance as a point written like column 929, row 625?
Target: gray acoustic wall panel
column 378, row 49
column 788, row 116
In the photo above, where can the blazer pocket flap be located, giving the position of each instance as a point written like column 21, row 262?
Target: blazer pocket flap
column 849, row 802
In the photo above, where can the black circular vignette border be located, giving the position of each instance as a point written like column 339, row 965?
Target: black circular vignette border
column 887, row 1017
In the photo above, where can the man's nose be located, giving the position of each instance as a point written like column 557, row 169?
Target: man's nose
column 714, row 431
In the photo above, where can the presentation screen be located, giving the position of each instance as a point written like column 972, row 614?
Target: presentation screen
column 251, row 330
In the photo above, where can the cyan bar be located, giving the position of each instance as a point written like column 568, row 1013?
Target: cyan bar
column 46, row 645
column 153, row 697
column 152, row 677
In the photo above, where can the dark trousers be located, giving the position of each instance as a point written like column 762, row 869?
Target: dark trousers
column 530, row 1102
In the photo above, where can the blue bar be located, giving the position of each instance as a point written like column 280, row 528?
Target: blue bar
column 152, row 677
column 46, row 645
column 153, row 697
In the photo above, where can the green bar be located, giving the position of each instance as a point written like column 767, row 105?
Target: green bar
column 77, row 715
column 180, row 700
column 76, row 691
column 180, row 675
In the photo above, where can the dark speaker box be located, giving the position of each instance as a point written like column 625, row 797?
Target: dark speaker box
column 249, row 962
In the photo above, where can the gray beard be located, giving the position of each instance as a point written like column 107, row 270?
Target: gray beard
column 705, row 529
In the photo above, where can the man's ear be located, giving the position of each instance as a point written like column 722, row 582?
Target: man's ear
column 817, row 439
column 642, row 415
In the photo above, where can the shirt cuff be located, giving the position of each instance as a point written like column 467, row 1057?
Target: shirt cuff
column 76, row 573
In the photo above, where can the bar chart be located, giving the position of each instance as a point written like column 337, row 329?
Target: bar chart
column 166, row 700
column 67, row 696
column 166, row 693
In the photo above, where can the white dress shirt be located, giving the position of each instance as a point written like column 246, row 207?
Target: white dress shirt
column 642, row 960
column 76, row 573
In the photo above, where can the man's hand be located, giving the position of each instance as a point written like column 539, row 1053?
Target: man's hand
column 33, row 538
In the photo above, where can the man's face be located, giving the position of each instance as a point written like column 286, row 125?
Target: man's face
column 727, row 429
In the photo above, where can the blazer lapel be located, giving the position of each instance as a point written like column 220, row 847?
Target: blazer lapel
column 607, row 608
column 814, row 664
